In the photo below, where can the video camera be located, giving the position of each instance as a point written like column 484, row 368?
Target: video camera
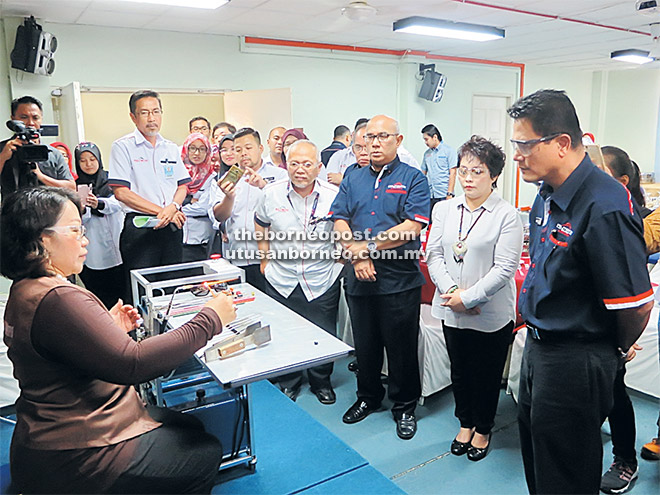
column 28, row 153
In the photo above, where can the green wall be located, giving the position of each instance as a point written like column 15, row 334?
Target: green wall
column 331, row 88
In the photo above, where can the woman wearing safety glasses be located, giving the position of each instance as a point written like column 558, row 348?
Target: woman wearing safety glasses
column 472, row 254
column 80, row 425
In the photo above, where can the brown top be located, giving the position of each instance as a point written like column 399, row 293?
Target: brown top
column 75, row 366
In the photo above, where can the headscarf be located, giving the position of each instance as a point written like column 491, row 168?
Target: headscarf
column 291, row 132
column 60, row 144
column 98, row 180
column 223, row 166
column 198, row 173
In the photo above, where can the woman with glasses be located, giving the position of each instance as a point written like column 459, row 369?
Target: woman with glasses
column 472, row 253
column 198, row 230
column 103, row 272
column 80, row 425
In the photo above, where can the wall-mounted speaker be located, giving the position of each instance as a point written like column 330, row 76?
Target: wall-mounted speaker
column 34, row 49
column 433, row 86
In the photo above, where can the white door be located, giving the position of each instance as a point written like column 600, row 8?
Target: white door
column 490, row 120
column 69, row 114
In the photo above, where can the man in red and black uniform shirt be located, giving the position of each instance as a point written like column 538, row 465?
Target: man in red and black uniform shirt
column 586, row 299
column 382, row 208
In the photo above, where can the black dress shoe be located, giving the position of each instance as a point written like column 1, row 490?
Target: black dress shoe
column 352, row 366
column 291, row 393
column 406, row 426
column 358, row 411
column 326, row 396
column 476, row 453
column 459, row 448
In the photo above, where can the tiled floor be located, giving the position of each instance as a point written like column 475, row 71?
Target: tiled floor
column 424, row 465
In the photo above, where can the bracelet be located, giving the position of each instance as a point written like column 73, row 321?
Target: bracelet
column 452, row 289
column 176, row 205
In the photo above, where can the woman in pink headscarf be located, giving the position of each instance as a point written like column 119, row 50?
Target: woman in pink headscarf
column 196, row 155
column 288, row 138
column 66, row 153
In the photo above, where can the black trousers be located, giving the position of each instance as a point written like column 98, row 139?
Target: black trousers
column 565, row 395
column 108, row 285
column 622, row 421
column 434, row 201
column 321, row 311
column 144, row 248
column 194, row 252
column 389, row 321
column 254, row 277
column 178, row 457
column 477, row 362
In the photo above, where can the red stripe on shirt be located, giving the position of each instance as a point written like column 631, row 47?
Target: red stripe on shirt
column 621, row 300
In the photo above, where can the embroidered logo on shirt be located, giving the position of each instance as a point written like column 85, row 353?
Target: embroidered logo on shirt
column 140, row 160
column 565, row 229
column 397, row 188
column 281, row 209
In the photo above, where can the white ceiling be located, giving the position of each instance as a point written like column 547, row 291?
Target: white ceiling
column 544, row 35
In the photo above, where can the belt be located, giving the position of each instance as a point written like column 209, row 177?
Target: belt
column 560, row 336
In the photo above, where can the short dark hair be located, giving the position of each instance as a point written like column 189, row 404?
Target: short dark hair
column 198, row 118
column 361, row 126
column 359, row 122
column 549, row 111
column 431, row 130
column 341, row 131
column 620, row 164
column 143, row 93
column 486, row 152
column 230, row 128
column 247, row 131
column 25, row 100
column 25, row 215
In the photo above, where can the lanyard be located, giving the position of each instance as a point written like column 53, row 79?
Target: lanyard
column 460, row 226
column 311, row 216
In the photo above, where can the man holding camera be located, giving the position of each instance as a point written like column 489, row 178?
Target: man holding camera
column 16, row 174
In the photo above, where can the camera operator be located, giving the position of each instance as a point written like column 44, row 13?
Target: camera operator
column 52, row 172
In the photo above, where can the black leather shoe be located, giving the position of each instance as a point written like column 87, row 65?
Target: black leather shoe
column 326, row 396
column 357, row 412
column 406, row 426
column 291, row 393
column 459, row 448
column 476, row 454
column 352, row 366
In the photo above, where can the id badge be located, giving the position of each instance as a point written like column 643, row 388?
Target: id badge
column 168, row 169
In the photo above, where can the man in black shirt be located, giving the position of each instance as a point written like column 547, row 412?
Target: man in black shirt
column 52, row 172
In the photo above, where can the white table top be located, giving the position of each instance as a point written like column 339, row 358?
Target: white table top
column 296, row 343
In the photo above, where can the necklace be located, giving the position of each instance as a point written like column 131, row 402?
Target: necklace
column 460, row 246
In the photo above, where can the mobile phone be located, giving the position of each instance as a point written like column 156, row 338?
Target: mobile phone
column 233, row 175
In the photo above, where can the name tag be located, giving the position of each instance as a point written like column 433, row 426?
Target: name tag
column 168, row 169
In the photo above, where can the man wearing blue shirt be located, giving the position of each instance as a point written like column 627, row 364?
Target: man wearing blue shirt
column 439, row 165
column 379, row 212
column 585, row 301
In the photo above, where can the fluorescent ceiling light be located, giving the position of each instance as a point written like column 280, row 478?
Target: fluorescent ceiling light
column 446, row 29
column 195, row 4
column 633, row 56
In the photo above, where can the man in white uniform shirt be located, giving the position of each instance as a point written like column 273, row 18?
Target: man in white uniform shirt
column 303, row 273
column 274, row 142
column 235, row 204
column 148, row 177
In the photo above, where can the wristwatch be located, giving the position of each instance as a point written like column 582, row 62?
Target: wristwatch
column 176, row 205
column 451, row 194
column 372, row 246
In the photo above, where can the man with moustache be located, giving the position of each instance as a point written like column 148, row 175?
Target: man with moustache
column 148, row 177
column 585, row 301
column 307, row 284
column 274, row 143
column 234, row 204
column 379, row 208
